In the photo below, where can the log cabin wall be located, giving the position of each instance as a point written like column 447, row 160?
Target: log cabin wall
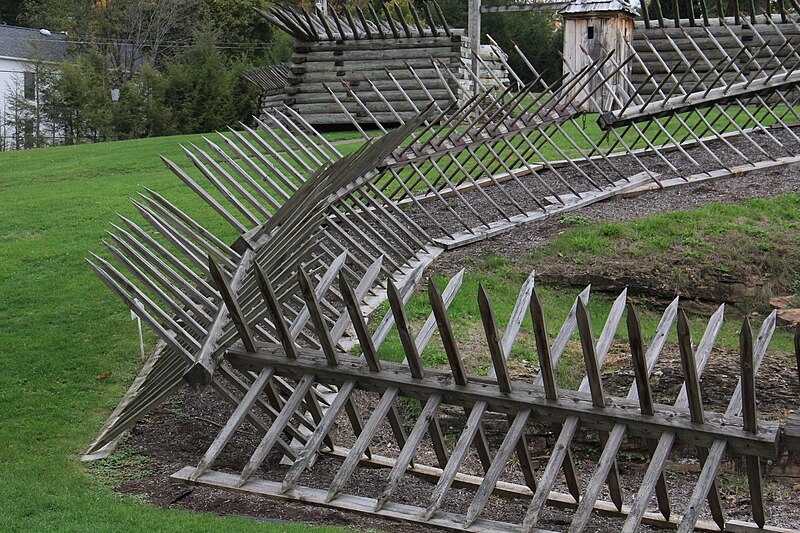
column 661, row 49
column 319, row 67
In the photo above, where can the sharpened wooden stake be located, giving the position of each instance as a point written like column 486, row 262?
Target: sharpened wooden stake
column 749, row 417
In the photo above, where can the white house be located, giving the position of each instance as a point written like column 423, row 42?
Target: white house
column 20, row 50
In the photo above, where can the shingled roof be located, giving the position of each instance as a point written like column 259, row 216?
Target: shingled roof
column 599, row 6
column 30, row 44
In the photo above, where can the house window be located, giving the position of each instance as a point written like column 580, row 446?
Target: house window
column 590, row 32
column 30, row 85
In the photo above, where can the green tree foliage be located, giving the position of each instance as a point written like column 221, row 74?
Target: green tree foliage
column 77, row 100
column 58, row 15
column 205, row 89
column 535, row 34
column 534, row 31
column 10, row 11
column 142, row 110
column 240, row 28
column 165, row 76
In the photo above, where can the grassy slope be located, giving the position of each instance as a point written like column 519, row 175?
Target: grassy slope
column 60, row 328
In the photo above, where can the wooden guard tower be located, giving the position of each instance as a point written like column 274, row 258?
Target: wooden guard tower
column 593, row 28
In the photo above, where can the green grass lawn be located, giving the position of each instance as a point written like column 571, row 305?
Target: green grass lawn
column 60, row 328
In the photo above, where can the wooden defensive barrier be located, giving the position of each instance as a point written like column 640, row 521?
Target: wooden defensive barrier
column 737, row 431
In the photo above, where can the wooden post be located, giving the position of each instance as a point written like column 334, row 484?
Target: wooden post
column 474, row 32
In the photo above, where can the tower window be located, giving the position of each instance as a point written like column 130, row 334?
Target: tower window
column 590, row 32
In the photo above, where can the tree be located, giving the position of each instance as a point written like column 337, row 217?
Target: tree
column 128, row 32
column 77, row 100
column 241, row 30
column 205, row 88
column 57, row 15
column 534, row 33
column 141, row 110
column 10, row 11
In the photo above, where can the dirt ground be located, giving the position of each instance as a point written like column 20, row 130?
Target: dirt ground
column 178, row 433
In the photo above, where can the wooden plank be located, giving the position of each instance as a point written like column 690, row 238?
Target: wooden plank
column 457, row 457
column 748, row 380
column 232, row 305
column 598, row 397
column 711, row 463
column 347, row 58
column 499, row 356
column 570, row 426
column 276, row 428
column 343, row 396
column 362, row 443
column 373, row 361
column 571, row 403
column 234, row 422
column 458, row 373
column 693, row 394
column 643, row 365
column 510, row 443
column 359, row 504
column 661, row 453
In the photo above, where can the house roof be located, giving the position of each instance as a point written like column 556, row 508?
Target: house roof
column 27, row 43
column 599, row 6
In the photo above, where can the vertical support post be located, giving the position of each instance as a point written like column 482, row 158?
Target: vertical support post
column 474, row 31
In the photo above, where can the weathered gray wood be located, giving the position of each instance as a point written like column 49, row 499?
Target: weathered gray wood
column 277, row 427
column 570, row 425
column 643, row 365
column 495, row 348
column 457, row 457
column 393, row 511
column 362, row 443
column 234, row 422
column 404, row 330
column 446, row 332
column 749, row 419
column 426, row 416
column 510, row 443
column 499, row 356
column 596, row 390
column 711, row 460
column 570, row 403
column 311, row 447
column 278, row 319
column 661, row 454
column 373, row 361
column 458, row 373
column 232, row 305
column 328, row 346
column 693, row 394
column 546, row 366
column 214, row 204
